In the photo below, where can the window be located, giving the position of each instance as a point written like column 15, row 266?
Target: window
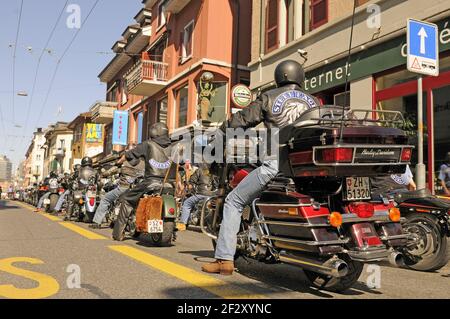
column 161, row 117
column 182, row 101
column 186, row 42
column 162, row 19
column 124, row 92
column 319, row 13
column 111, row 95
column 218, row 106
column 62, row 144
column 272, row 25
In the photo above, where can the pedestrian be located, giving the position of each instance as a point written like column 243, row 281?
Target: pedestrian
column 444, row 175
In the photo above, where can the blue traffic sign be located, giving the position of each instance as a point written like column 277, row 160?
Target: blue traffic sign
column 423, row 52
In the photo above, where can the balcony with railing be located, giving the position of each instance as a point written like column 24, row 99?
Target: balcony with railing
column 103, row 112
column 59, row 152
column 147, row 77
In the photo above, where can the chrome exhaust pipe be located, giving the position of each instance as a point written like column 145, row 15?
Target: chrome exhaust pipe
column 397, row 259
column 333, row 267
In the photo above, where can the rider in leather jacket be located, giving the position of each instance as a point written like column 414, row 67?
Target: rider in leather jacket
column 156, row 153
column 276, row 108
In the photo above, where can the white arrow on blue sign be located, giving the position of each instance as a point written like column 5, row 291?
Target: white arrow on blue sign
column 423, row 47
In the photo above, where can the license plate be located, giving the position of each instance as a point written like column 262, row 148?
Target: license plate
column 357, row 188
column 155, row 226
column 46, row 201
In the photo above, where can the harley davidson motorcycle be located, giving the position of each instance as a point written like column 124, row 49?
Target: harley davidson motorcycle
column 318, row 214
column 427, row 220
column 84, row 197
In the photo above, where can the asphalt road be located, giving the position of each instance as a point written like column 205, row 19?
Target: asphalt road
column 43, row 257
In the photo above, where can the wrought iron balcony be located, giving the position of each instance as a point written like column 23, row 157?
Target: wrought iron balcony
column 147, row 77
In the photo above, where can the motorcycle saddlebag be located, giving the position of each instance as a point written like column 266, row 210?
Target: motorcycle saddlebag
column 149, row 208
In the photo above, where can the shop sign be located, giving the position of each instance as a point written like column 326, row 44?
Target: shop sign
column 94, row 133
column 241, row 95
column 373, row 60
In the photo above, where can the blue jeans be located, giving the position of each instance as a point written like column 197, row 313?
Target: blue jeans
column 61, row 200
column 106, row 203
column 188, row 205
column 41, row 200
column 244, row 194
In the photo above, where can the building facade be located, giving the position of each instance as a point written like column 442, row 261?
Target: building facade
column 5, row 169
column 58, row 143
column 376, row 72
column 34, row 159
column 159, row 80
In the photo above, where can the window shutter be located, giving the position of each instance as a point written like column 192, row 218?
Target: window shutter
column 319, row 13
column 272, row 38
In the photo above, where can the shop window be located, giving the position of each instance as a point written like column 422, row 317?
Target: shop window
column 218, row 107
column 186, row 42
column 161, row 117
column 319, row 13
column 272, row 14
column 162, row 18
column 182, row 101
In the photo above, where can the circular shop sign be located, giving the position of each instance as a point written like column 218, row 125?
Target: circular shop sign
column 241, row 95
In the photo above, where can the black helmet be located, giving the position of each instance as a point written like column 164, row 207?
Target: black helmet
column 159, row 130
column 76, row 167
column 53, row 174
column 289, row 72
column 86, row 161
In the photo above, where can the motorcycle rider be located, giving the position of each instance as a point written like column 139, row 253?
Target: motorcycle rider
column 65, row 183
column 128, row 175
column 156, row 153
column 47, row 194
column 444, row 175
column 203, row 185
column 275, row 108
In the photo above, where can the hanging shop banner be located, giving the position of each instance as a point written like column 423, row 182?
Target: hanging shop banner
column 120, row 128
column 94, row 133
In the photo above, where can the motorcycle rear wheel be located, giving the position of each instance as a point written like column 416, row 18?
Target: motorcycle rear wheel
column 161, row 240
column 53, row 201
column 336, row 284
column 429, row 252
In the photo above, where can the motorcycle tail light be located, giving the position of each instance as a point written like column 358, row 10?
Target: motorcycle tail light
column 238, row 177
column 335, row 219
column 335, row 155
column 406, row 155
column 171, row 211
column 394, row 214
column 363, row 210
column 92, row 201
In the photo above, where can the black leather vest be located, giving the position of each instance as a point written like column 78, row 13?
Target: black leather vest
column 157, row 161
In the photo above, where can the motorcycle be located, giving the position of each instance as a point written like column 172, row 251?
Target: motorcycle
column 84, row 198
column 55, row 191
column 427, row 220
column 318, row 213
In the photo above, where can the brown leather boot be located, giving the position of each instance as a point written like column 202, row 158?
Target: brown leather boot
column 223, row 267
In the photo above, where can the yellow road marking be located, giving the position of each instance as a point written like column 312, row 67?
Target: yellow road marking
column 81, row 231
column 213, row 285
column 47, row 286
column 51, row 217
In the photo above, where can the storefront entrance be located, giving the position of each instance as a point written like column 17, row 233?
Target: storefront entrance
column 397, row 91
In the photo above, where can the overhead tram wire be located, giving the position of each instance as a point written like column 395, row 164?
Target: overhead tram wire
column 14, row 60
column 60, row 59
column 52, row 32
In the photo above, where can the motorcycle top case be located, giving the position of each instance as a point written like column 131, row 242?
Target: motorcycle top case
column 312, row 147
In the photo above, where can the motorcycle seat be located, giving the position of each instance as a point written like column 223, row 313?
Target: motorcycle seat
column 404, row 196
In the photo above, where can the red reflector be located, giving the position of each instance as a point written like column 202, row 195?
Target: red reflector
column 91, row 201
column 363, row 210
column 171, row 211
column 336, row 155
column 406, row 155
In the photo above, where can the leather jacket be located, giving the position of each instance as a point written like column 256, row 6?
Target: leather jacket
column 156, row 157
column 275, row 108
column 203, row 182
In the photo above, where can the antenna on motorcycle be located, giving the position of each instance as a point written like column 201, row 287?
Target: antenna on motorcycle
column 346, row 71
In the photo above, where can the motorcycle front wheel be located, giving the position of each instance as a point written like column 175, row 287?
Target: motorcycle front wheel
column 427, row 251
column 336, row 284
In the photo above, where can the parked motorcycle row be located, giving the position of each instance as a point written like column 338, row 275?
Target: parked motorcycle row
column 322, row 213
